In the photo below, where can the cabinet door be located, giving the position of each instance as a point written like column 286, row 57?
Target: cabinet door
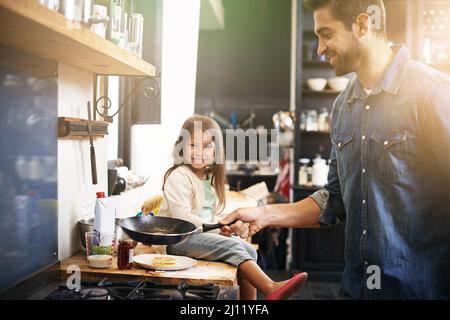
column 28, row 165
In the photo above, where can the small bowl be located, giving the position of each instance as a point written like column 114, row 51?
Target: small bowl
column 317, row 84
column 338, row 84
column 100, row 261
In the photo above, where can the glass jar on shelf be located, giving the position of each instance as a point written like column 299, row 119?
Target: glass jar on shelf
column 323, row 120
column 303, row 121
column 303, row 178
column 312, row 121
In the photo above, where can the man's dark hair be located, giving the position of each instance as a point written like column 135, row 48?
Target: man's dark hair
column 347, row 11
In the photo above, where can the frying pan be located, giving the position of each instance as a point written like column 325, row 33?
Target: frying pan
column 162, row 230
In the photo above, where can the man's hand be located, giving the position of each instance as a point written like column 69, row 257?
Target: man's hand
column 248, row 222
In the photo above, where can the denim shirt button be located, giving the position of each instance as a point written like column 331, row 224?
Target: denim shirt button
column 364, row 201
column 367, row 107
column 364, row 137
column 364, row 232
column 386, row 143
column 363, row 170
column 339, row 144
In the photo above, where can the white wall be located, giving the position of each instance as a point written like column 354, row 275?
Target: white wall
column 75, row 190
column 113, row 128
column 152, row 144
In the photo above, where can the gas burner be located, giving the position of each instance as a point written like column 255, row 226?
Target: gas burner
column 94, row 294
column 125, row 293
column 64, row 294
column 84, row 294
column 143, row 290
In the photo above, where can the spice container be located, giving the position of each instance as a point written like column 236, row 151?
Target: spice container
column 323, row 121
column 312, row 121
column 303, row 172
column 303, row 121
column 125, row 255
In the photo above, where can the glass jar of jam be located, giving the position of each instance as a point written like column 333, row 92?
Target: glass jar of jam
column 125, row 255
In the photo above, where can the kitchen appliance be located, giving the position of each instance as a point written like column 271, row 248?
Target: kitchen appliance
column 112, row 180
column 120, row 186
column 151, row 230
column 142, row 290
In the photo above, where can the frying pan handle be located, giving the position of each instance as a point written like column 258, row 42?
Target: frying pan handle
column 208, row 227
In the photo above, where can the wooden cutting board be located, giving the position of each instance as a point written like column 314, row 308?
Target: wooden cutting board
column 202, row 273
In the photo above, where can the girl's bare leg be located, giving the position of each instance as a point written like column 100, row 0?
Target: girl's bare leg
column 247, row 291
column 257, row 278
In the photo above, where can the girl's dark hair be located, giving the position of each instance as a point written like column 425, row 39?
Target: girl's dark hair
column 217, row 170
column 347, row 11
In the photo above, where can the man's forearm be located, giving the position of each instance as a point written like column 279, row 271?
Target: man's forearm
column 302, row 214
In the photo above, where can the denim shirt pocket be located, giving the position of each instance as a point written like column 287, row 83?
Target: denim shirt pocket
column 343, row 142
column 389, row 155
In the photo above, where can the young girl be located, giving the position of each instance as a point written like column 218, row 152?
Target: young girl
column 194, row 190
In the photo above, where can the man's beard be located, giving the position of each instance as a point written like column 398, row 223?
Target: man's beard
column 348, row 61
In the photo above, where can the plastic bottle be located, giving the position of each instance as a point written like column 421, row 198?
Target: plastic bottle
column 319, row 172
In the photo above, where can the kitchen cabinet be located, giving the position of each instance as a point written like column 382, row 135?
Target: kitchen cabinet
column 30, row 27
column 28, row 167
column 319, row 251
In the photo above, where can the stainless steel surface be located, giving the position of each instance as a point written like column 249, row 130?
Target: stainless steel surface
column 32, row 287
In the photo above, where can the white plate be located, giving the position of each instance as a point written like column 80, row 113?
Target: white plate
column 181, row 263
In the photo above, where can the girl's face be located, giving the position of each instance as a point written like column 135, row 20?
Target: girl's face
column 200, row 150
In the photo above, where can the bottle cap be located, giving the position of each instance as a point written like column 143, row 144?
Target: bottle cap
column 100, row 194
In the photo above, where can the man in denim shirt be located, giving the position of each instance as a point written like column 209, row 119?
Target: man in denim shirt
column 389, row 177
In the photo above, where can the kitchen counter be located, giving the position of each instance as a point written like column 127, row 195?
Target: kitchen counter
column 203, row 272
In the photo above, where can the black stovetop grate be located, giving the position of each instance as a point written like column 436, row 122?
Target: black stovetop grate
column 136, row 290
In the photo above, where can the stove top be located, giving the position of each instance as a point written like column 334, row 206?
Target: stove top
column 143, row 290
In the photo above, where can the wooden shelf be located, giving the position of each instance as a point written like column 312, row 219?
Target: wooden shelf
column 326, row 92
column 25, row 25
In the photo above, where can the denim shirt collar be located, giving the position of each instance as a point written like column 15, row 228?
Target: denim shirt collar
column 392, row 78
